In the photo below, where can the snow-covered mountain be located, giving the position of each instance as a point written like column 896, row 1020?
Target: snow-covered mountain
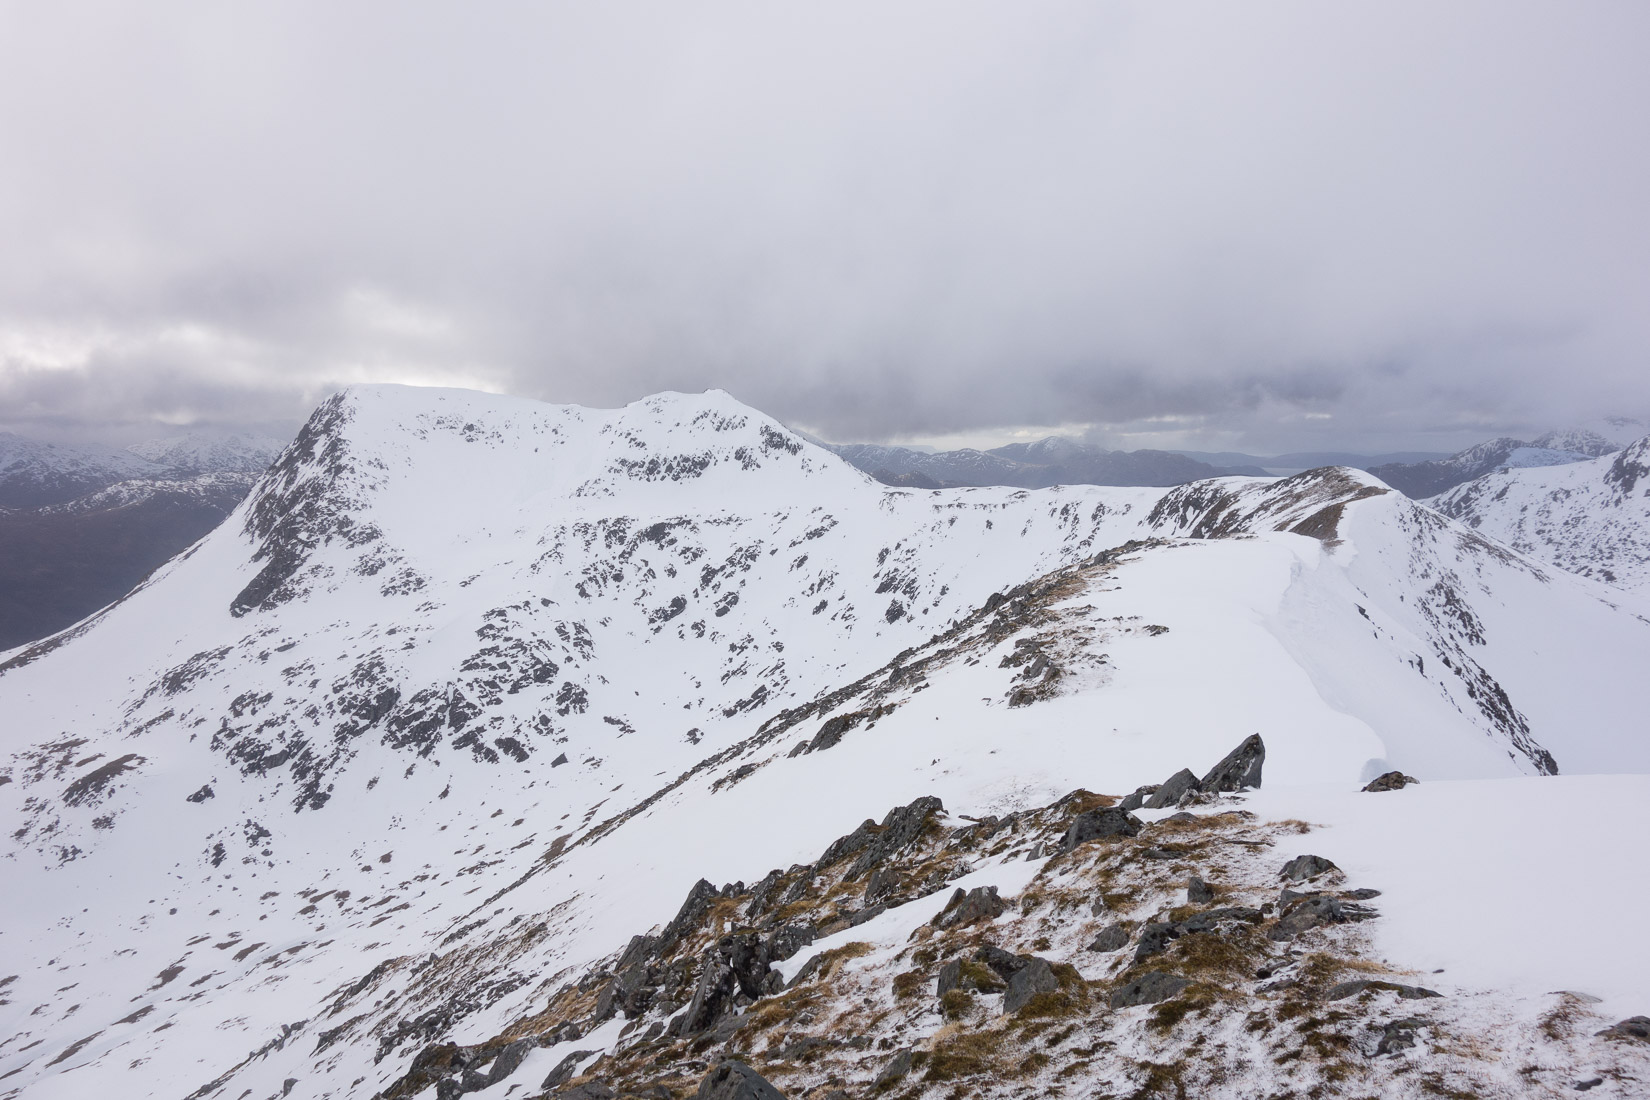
column 35, row 473
column 472, row 689
column 1591, row 518
column 1056, row 460
column 1557, row 448
column 86, row 523
column 212, row 452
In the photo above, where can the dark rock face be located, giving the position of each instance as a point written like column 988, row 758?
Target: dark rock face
column 1035, row 977
column 1302, row 868
column 1198, row 892
column 1138, row 799
column 1114, row 937
column 1096, row 824
column 1148, row 989
column 1181, row 783
column 788, row 939
column 1241, row 767
column 736, row 1081
column 1303, row 913
column 1006, row 964
column 900, row 829
column 1390, row 781
column 978, row 904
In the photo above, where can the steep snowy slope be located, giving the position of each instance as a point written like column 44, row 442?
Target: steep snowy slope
column 471, row 689
column 1591, row 518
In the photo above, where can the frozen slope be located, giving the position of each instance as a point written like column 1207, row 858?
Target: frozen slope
column 308, row 781
column 1591, row 518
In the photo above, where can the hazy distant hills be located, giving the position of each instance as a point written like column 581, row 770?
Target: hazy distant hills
column 1052, row 461
column 81, row 524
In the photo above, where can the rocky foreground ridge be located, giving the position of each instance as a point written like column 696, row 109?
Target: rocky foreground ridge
column 1071, row 949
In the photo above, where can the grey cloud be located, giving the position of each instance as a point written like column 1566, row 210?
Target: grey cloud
column 1286, row 227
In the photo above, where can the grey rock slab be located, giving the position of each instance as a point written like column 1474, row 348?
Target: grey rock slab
column 1634, row 1027
column 564, row 1069
column 1198, row 892
column 1302, row 868
column 1035, row 977
column 1177, row 785
column 1113, row 937
column 1149, row 989
column 1344, row 990
column 1239, row 769
column 1390, row 781
column 897, row 1068
column 736, row 1081
column 1096, row 824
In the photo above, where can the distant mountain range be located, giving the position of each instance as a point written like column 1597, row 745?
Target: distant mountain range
column 1419, row 480
column 1053, row 461
column 81, row 524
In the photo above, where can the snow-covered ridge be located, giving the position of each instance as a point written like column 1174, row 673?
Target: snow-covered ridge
column 489, row 683
column 1591, row 518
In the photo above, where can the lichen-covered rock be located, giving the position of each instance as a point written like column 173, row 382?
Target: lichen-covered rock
column 1113, row 937
column 1390, row 781
column 978, row 904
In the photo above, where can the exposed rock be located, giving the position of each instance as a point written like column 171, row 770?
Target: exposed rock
column 1241, row 768
column 1148, row 989
column 1302, row 868
column 896, row 1069
column 1138, row 798
column 883, row 881
column 713, row 996
column 788, row 939
column 1096, row 824
column 978, row 904
column 1210, row 919
column 1398, row 1035
column 1390, row 781
column 1114, row 937
column 1181, row 783
column 509, row 1060
column 1198, row 892
column 1344, row 990
column 1155, row 939
column 1308, row 912
column 1634, row 1027
column 736, row 1081
column 1035, row 977
column 902, row 827
column 565, row 1068
column 1005, row 963
column 590, row 1090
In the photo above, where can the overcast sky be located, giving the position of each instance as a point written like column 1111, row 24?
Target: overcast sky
column 1248, row 226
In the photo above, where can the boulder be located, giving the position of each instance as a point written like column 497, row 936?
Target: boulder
column 1006, row 964
column 1634, row 1027
column 1035, row 977
column 736, row 1081
column 1198, row 892
column 713, row 996
column 1302, row 868
column 896, row 1069
column 1210, row 919
column 509, row 1060
column 1181, row 783
column 1148, row 989
column 1390, row 781
column 978, row 904
column 1138, row 798
column 903, row 827
column 1239, row 769
column 1113, row 937
column 1308, row 912
column 1096, row 824
column 565, row 1068
column 1155, row 939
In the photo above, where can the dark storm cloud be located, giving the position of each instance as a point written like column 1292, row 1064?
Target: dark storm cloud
column 1277, row 226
